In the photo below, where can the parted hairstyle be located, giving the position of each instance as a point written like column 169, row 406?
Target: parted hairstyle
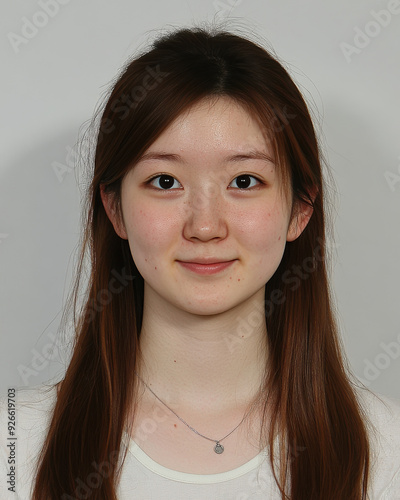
column 308, row 389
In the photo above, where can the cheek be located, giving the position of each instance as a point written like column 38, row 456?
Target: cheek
column 264, row 235
column 150, row 230
column 264, row 228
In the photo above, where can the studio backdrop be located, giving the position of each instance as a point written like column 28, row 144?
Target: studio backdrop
column 59, row 58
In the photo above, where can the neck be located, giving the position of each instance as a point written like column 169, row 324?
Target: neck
column 209, row 362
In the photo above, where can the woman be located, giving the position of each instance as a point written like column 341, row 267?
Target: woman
column 207, row 362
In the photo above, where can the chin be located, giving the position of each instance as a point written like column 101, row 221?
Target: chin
column 206, row 308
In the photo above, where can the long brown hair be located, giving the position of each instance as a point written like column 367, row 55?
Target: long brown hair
column 307, row 389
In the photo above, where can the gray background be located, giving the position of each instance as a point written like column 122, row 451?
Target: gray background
column 51, row 84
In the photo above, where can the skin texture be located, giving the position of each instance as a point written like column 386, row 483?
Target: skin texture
column 202, row 341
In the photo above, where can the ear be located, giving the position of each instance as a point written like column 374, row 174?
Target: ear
column 109, row 204
column 301, row 215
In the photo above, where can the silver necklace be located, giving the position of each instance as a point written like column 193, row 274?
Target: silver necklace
column 218, row 448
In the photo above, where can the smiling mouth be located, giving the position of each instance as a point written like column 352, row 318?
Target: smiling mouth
column 206, row 268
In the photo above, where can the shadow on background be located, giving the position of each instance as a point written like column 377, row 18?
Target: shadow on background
column 367, row 271
column 40, row 209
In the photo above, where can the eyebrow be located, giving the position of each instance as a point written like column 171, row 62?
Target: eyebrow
column 250, row 155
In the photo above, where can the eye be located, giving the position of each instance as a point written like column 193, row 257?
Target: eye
column 245, row 181
column 163, row 182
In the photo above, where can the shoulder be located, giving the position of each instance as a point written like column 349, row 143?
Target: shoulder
column 382, row 414
column 382, row 417
column 24, row 418
column 28, row 409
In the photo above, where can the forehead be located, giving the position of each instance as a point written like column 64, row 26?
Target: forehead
column 212, row 124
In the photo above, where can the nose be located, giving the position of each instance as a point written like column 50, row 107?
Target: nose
column 205, row 216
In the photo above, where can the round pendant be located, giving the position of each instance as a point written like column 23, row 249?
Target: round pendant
column 218, row 448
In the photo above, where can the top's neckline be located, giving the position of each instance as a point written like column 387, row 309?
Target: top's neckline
column 185, row 477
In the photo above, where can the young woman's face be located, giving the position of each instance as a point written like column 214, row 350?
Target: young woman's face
column 206, row 191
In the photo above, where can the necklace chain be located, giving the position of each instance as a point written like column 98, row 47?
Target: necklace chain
column 218, row 447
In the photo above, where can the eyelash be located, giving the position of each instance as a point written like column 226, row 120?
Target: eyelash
column 260, row 182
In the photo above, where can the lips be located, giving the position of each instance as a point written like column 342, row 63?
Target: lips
column 206, row 266
column 207, row 261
